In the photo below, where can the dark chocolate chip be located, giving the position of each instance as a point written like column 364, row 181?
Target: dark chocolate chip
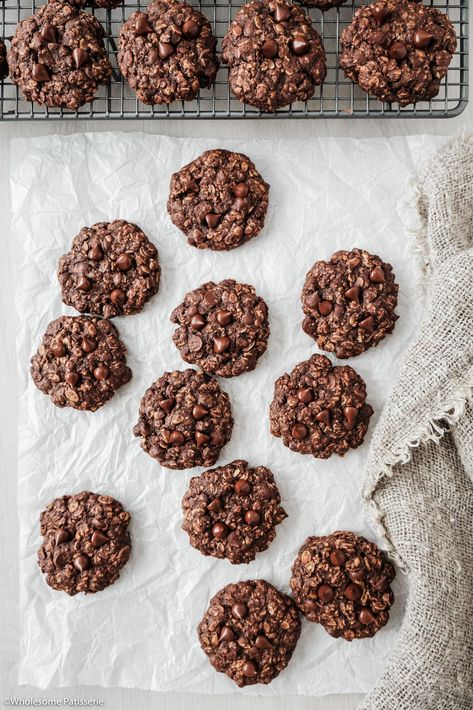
column 242, row 487
column 249, row 669
column 221, row 344
column 241, row 189
column 167, row 404
column 98, row 538
column 165, row 50
column 269, row 49
column 215, row 506
column 201, row 439
column 80, row 56
column 40, row 73
column 227, row 634
column 305, row 395
column 176, row 438
column 380, row 13
column 366, row 617
column 101, row 372
column 48, row 33
column 300, row 46
column 81, row 563
column 190, row 29
column 88, row 345
column 325, row 593
column 377, row 275
column 72, row 378
column 83, row 284
column 118, row 297
column 240, row 610
column 199, row 412
column 58, row 349
column 282, row 13
column 350, row 414
column 142, row 26
column 212, row 219
column 224, row 318
column 421, row 40
column 198, row 321
column 220, row 531
column 299, row 431
column 353, row 293
column 124, row 262
column 337, row 558
column 325, row 308
column 252, row 517
column 353, row 592
column 323, row 417
column 398, row 51
column 62, row 535
column 262, row 642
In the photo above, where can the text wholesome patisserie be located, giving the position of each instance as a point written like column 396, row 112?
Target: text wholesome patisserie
column 80, row 363
column 167, row 53
column 219, row 200
column 223, row 328
column 112, row 269
column 349, row 302
column 397, row 50
column 57, row 57
column 85, row 542
column 274, row 55
column 250, row 631
column 231, row 512
column 319, row 409
column 185, row 420
column 342, row 581
column 3, row 60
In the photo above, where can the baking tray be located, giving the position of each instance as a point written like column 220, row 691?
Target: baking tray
column 338, row 97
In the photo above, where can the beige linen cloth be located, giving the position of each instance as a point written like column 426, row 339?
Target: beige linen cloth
column 419, row 476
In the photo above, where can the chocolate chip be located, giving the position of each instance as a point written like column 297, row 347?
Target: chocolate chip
column 350, row 414
column 58, row 349
column 398, row 51
column 269, row 49
column 80, row 56
column 215, row 506
column 199, row 412
column 48, row 33
column 249, row 669
column 72, row 378
column 353, row 592
column 282, row 13
column 338, row 311
column 153, row 56
column 220, row 531
column 40, row 73
column 96, row 252
column 353, row 293
column 337, row 558
column 300, row 46
column 262, row 642
column 201, row 439
column 421, row 40
column 366, row 617
column 226, row 634
column 242, row 487
column 241, row 189
column 81, row 563
column 190, row 29
column 305, row 395
column 142, row 26
column 101, row 373
column 224, row 318
column 221, row 344
column 252, row 517
column 240, row 610
column 309, row 606
column 198, row 321
column 299, row 431
column 325, row 593
column 124, row 262
column 325, row 308
column 165, row 50
column 176, row 438
column 83, row 284
column 380, row 13
column 195, row 343
column 62, row 535
column 212, row 219
column 167, row 404
column 377, row 275
column 367, row 323
column 323, row 417
column 118, row 297
column 88, row 345
column 211, row 298
column 98, row 538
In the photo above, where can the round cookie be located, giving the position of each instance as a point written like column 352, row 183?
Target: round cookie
column 111, row 270
column 319, row 409
column 219, row 200
column 223, row 328
column 86, row 542
column 167, row 53
column 3, row 60
column 342, row 582
column 349, row 302
column 185, row 420
column 250, row 631
column 57, row 57
column 274, row 55
column 231, row 512
column 398, row 50
column 80, row 363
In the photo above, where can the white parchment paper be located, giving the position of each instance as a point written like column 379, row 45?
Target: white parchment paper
column 326, row 194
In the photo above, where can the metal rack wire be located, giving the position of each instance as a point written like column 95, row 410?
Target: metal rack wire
column 337, row 98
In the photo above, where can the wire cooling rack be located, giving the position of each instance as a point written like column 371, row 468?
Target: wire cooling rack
column 337, row 98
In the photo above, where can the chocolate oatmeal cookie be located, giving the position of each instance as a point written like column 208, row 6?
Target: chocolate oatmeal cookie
column 86, row 542
column 219, row 200
column 232, row 511
column 398, row 50
column 3, row 60
column 349, row 302
column 185, row 420
column 57, row 57
column 274, row 55
column 250, row 631
column 223, row 328
column 80, row 362
column 342, row 582
column 111, row 270
column 167, row 53
column 319, row 409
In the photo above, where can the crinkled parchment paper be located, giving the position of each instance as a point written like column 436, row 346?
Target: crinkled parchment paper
column 325, row 195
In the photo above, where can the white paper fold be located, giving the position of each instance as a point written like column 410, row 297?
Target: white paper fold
column 325, row 195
